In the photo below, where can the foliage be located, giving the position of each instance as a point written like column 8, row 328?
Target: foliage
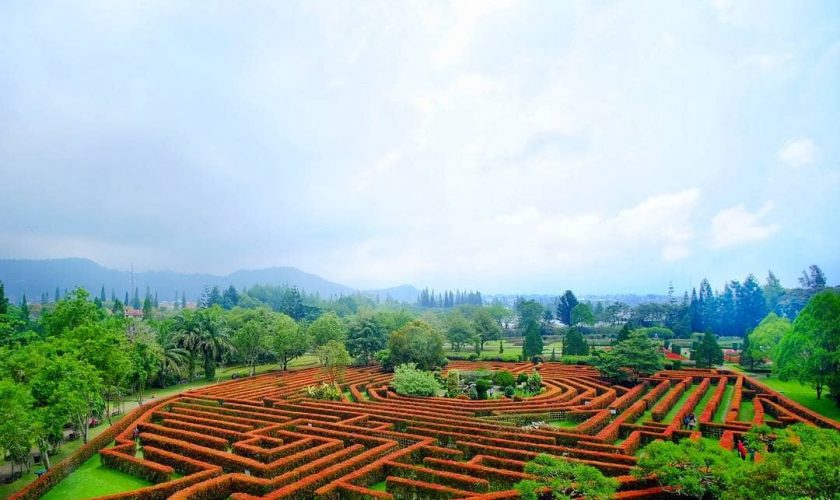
column 691, row 468
column 334, row 359
column 324, row 391
column 565, row 480
column 482, row 385
column 417, row 342
column 630, row 359
column 708, row 352
column 459, row 331
column 251, row 334
column 288, row 339
column 16, row 422
column 565, row 304
column 365, row 337
column 810, row 351
column 533, row 343
column 582, row 315
column 764, row 340
column 326, row 328
column 486, row 328
column 534, row 382
column 409, row 381
column 504, row 378
column 574, row 343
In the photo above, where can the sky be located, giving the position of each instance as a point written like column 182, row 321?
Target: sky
column 511, row 147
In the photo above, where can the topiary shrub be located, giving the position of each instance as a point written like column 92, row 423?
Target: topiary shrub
column 509, row 391
column 504, row 378
column 482, row 385
column 522, row 378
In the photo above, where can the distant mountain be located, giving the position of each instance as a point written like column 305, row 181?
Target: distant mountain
column 35, row 277
column 402, row 293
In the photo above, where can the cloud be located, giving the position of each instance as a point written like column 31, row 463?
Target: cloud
column 738, row 226
column 797, row 153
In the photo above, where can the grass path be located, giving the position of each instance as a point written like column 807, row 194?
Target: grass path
column 92, row 479
column 723, row 407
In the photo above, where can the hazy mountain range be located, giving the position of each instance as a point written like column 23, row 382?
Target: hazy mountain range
column 36, row 277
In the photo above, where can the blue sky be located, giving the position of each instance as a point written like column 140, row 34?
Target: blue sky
column 506, row 146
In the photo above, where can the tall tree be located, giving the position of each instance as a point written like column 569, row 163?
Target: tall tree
column 814, row 278
column 764, row 340
column 752, row 307
column 459, row 331
column 532, row 343
column 565, row 304
column 574, row 344
column 102, row 294
column 582, row 315
column 327, row 327
column 417, row 342
column 628, row 360
column 810, row 352
column 773, row 292
column 334, row 359
column 485, row 327
column 251, row 338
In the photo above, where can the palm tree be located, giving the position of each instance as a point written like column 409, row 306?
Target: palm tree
column 175, row 358
column 202, row 333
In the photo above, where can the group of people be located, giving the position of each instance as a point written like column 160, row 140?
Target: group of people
column 689, row 421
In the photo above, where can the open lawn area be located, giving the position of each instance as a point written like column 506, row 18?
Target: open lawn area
column 802, row 394
column 93, row 479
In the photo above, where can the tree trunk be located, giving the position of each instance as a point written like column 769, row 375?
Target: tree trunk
column 44, row 450
column 819, row 390
column 253, row 368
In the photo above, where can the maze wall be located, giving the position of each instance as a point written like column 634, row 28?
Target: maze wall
column 260, row 438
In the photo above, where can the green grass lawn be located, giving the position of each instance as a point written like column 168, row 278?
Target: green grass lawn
column 378, row 486
column 710, row 391
column 562, row 424
column 92, row 479
column 723, row 407
column 802, row 394
column 747, row 411
column 676, row 408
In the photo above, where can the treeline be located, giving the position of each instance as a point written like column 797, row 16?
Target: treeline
column 447, row 299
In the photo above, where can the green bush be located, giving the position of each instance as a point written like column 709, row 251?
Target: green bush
column 510, row 391
column 482, row 385
column 409, row 381
column 522, row 378
column 504, row 378
column 325, row 391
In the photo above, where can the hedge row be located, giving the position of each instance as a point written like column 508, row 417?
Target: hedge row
column 666, row 403
column 714, row 401
column 148, row 470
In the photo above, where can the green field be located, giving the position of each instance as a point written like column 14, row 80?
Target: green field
column 93, row 479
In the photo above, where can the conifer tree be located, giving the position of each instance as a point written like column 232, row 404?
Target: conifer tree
column 102, row 294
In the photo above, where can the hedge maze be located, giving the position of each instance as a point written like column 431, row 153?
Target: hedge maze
column 261, row 438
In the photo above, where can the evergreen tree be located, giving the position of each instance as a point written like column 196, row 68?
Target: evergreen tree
column 773, row 292
column 752, row 307
column 118, row 309
column 24, row 307
column 183, row 300
column 726, row 316
column 533, row 343
column 709, row 352
column 708, row 307
column 57, row 295
column 125, row 300
column 230, row 298
column 135, row 301
column 4, row 302
column 147, row 308
column 102, row 294
column 565, row 304
column 696, row 311
column 113, row 295
column 814, row 278
column 574, row 344
column 156, row 303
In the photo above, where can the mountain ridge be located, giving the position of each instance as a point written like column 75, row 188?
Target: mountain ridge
column 37, row 276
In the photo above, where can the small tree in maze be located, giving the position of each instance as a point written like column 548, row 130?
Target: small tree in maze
column 630, row 359
column 334, row 359
column 558, row 478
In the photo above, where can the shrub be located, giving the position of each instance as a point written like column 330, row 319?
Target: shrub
column 325, row 391
column 509, row 391
column 536, row 359
column 409, row 381
column 522, row 378
column 565, row 479
column 504, row 378
column 534, row 381
column 481, row 387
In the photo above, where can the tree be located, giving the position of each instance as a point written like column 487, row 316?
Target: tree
column 147, row 308
column 230, row 298
column 565, row 304
column 117, row 309
column 326, row 328
column 70, row 313
column 773, row 291
column 533, row 342
column 334, row 359
column 4, row 301
column 419, row 343
column 582, row 315
column 72, row 388
column 691, row 468
column 365, row 337
column 16, row 424
column 528, row 311
column 289, row 340
column 203, row 333
column 751, row 305
column 252, row 337
column 24, row 310
column 630, row 359
column 810, row 351
column 764, row 340
column 459, row 331
column 574, row 344
column 485, row 327
column 145, row 359
column 565, row 479
column 814, row 278
column 501, row 314
column 708, row 352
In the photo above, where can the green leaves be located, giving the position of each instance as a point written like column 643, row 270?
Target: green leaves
column 565, row 479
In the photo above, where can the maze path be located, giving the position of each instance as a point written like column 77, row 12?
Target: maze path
column 260, row 438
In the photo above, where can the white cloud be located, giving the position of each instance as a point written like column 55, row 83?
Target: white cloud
column 798, row 153
column 737, row 226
